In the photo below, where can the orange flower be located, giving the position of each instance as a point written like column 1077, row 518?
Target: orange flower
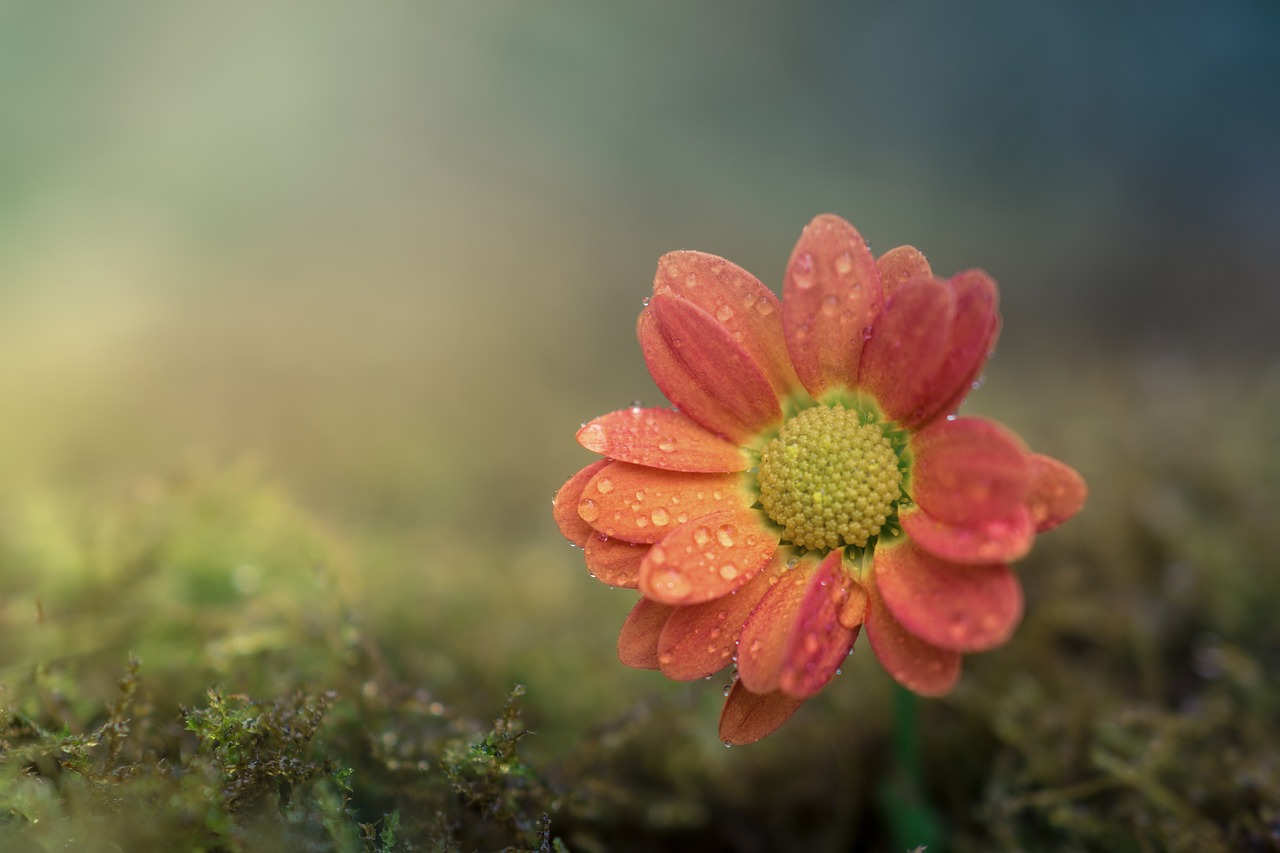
column 812, row 478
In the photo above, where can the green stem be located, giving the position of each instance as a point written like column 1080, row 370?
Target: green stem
column 912, row 821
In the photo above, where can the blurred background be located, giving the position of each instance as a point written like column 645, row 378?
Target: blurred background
column 387, row 257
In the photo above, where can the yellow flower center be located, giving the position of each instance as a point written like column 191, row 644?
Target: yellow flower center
column 828, row 479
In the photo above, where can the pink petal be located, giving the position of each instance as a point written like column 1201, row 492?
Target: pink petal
column 745, row 307
column 830, row 295
column 929, row 344
column 700, row 639
column 960, row 608
column 762, row 649
column 642, row 504
column 564, row 507
column 991, row 540
column 913, row 663
column 900, row 265
column 703, row 371
column 968, row 471
column 638, row 642
column 708, row 557
column 747, row 717
column 615, row 561
column 660, row 438
column 1057, row 492
column 819, row 643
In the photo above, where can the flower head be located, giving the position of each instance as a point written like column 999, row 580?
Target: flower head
column 813, row 478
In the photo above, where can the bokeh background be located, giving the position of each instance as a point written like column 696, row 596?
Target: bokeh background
column 382, row 260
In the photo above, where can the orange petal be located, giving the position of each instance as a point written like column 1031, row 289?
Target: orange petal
column 747, row 716
column 615, row 561
column 830, row 295
column 642, row 504
column 1057, row 492
column 638, row 642
column 660, row 438
column 564, row 506
column 900, row 265
column 854, row 611
column 968, row 471
column 913, row 663
column 762, row 648
column 928, row 345
column 737, row 299
column 991, row 540
column 961, row 608
column 818, row 642
column 700, row 639
column 705, row 372
column 708, row 557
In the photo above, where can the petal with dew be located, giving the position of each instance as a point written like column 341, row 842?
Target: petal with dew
column 703, row 371
column 749, row 311
column 660, row 438
column 710, row 556
column 614, row 561
column 700, row 639
column 818, row 643
column 1057, row 492
column 901, row 264
column 638, row 640
column 564, row 507
column 968, row 470
column 831, row 293
column 989, row 540
column 928, row 344
column 916, row 665
column 762, row 649
column 974, row 330
column 960, row 608
column 642, row 504
column 747, row 717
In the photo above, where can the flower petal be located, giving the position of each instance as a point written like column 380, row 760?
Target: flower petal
column 968, row 471
column 913, row 663
column 564, row 506
column 746, row 308
column 747, row 717
column 708, row 557
column 900, row 265
column 703, row 371
column 961, row 608
column 831, row 293
column 660, row 438
column 615, row 561
column 642, row 504
column 928, row 345
column 638, row 641
column 1057, row 492
column 854, row 611
column 762, row 649
column 991, row 540
column 700, row 639
column 818, row 642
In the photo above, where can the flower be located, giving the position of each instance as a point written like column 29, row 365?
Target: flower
column 813, row 478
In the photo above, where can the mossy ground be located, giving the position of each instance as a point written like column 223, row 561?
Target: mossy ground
column 209, row 653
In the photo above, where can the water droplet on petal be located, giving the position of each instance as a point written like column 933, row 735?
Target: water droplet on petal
column 645, row 302
column 725, row 534
column 701, row 536
column 588, row 510
column 667, row 445
column 673, row 584
column 604, row 485
column 728, row 571
column 659, row 516
column 724, row 313
column 844, row 263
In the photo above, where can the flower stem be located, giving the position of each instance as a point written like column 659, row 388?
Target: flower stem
column 912, row 820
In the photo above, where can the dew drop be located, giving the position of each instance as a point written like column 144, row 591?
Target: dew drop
column 829, row 305
column 588, row 510
column 725, row 534
column 727, row 689
column 728, row 571
column 844, row 263
column 659, row 516
column 802, row 271
column 701, row 536
column 667, row 445
column 604, row 485
column 674, row 584
column 764, row 308
column 691, row 280
column 641, row 521
column 645, row 302
column 724, row 313
column 593, row 438
column 666, row 658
